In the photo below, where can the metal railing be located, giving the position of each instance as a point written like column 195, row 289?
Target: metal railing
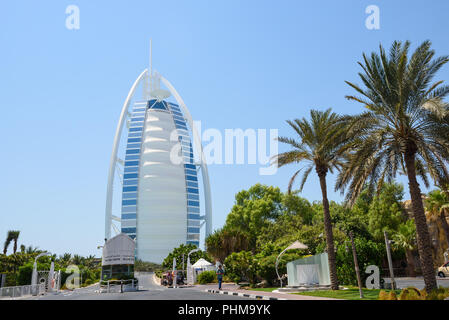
column 20, row 291
column 117, row 286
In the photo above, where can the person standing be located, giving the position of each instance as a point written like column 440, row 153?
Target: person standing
column 220, row 274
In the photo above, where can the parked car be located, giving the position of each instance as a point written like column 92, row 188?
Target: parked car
column 443, row 271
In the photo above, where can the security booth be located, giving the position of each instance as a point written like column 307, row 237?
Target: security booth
column 118, row 258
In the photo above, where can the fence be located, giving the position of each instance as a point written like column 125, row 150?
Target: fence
column 20, row 291
column 117, row 286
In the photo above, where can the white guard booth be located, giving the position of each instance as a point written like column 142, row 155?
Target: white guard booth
column 118, row 257
column 200, row 266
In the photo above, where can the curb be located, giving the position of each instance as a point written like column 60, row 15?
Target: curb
column 246, row 295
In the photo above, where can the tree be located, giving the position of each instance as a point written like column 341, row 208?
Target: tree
column 385, row 211
column 321, row 145
column 254, row 209
column 225, row 241
column 15, row 238
column 8, row 240
column 437, row 204
column 405, row 238
column 181, row 252
column 405, row 128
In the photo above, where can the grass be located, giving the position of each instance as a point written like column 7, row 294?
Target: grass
column 352, row 293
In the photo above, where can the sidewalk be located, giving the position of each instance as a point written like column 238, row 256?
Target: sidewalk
column 233, row 289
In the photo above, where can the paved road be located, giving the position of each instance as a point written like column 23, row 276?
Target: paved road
column 148, row 290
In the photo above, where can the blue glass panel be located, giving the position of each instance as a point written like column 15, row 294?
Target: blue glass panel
column 129, row 216
column 193, row 216
column 129, row 230
column 133, row 151
column 130, row 195
column 132, row 157
column 134, row 140
column 190, row 166
column 191, row 178
column 130, row 176
column 193, row 210
column 131, row 209
column 129, row 189
column 191, row 172
column 131, row 182
column 129, row 202
column 131, row 163
column 133, row 146
column 193, row 203
column 131, row 169
column 135, row 129
column 193, row 230
column 192, row 184
column 135, row 134
column 137, row 119
column 190, row 190
column 193, row 197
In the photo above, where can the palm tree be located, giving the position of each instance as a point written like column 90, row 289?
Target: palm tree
column 32, row 250
column 15, row 237
column 322, row 143
column 8, row 240
column 405, row 238
column 405, row 128
column 437, row 204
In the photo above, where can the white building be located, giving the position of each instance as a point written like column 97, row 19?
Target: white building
column 160, row 198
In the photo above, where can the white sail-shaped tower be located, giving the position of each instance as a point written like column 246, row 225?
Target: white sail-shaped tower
column 160, row 194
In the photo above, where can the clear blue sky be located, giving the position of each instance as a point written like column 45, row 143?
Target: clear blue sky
column 237, row 64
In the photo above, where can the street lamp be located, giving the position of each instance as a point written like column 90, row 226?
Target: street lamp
column 101, row 274
column 189, row 271
column 294, row 245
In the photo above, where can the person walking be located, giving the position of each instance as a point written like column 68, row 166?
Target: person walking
column 220, row 274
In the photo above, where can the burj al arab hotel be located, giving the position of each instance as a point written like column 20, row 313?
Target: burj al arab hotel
column 156, row 168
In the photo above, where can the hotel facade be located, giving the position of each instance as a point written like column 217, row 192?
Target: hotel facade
column 160, row 185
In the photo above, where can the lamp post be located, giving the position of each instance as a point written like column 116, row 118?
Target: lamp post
column 101, row 274
column 356, row 265
column 294, row 245
column 189, row 271
column 390, row 263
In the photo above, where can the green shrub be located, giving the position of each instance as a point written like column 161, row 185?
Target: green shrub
column 206, row 277
column 88, row 282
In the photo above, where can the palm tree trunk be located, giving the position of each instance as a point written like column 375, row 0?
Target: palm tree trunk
column 410, row 263
column 15, row 246
column 445, row 226
column 328, row 230
column 422, row 231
